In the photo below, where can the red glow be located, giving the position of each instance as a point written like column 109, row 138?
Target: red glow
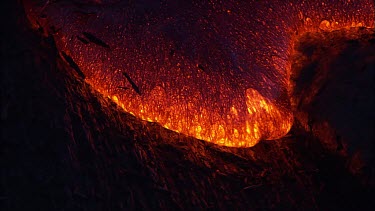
column 215, row 71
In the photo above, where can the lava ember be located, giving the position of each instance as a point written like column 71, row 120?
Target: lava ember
column 215, row 70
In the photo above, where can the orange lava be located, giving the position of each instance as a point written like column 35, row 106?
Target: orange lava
column 215, row 71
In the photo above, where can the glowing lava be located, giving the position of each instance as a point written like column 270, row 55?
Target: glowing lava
column 215, row 70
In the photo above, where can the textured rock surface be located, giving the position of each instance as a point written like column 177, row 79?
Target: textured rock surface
column 334, row 92
column 64, row 146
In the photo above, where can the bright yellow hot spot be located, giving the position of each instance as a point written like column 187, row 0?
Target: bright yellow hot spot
column 261, row 119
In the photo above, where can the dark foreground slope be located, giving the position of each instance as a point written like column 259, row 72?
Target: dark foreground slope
column 66, row 147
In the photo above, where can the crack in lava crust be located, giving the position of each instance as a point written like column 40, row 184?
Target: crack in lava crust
column 215, row 70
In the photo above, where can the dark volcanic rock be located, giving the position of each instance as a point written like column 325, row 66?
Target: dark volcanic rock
column 334, row 93
column 66, row 147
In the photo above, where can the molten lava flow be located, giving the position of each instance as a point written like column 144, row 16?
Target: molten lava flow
column 214, row 70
